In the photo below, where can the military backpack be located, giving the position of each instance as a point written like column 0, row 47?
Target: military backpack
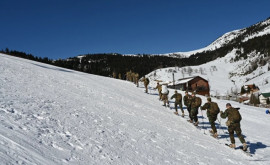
column 198, row 101
column 214, row 109
column 235, row 115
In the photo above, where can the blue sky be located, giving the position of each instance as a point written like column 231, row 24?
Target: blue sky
column 67, row 28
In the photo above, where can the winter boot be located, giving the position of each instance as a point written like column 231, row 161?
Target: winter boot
column 232, row 145
column 176, row 113
column 215, row 135
column 211, row 131
column 183, row 114
column 196, row 123
column 245, row 146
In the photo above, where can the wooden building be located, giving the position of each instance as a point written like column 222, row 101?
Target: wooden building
column 197, row 83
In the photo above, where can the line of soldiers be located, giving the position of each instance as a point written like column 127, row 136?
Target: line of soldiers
column 133, row 77
column 193, row 103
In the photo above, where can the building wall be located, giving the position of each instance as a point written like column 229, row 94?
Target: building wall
column 262, row 99
column 198, row 83
column 193, row 85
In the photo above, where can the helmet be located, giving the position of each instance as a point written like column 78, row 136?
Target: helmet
column 267, row 111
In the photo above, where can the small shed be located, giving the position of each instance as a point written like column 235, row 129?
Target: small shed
column 197, row 83
column 263, row 98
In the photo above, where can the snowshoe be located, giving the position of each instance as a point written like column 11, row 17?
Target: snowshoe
column 231, row 145
column 190, row 121
column 215, row 135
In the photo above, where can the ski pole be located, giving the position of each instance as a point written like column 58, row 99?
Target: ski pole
column 222, row 129
column 203, row 121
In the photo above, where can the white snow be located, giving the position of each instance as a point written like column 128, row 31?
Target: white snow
column 224, row 75
column 221, row 41
column 224, row 39
column 51, row 115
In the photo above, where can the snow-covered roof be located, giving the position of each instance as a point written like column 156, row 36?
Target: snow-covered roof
column 181, row 81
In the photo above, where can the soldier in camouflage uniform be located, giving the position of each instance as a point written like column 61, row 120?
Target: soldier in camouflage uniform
column 146, row 82
column 128, row 76
column 159, row 88
column 211, row 114
column 178, row 101
column 133, row 77
column 195, row 104
column 187, row 99
column 120, row 76
column 233, row 124
column 137, row 79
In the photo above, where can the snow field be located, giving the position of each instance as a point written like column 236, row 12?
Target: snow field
column 51, row 115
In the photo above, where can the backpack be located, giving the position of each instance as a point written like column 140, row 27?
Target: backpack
column 214, row 108
column 198, row 101
column 179, row 96
column 164, row 90
column 235, row 115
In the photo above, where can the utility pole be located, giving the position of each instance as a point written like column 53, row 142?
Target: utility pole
column 173, row 81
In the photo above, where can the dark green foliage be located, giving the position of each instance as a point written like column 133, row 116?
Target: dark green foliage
column 106, row 64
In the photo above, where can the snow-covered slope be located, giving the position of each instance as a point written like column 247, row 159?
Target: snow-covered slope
column 227, row 38
column 221, row 41
column 51, row 115
column 225, row 76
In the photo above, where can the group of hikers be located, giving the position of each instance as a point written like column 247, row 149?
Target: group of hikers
column 193, row 103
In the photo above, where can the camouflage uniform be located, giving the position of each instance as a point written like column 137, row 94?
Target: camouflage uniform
column 133, row 77
column 187, row 100
column 212, row 117
column 146, row 82
column 234, row 126
column 137, row 79
column 114, row 74
column 159, row 87
column 128, row 76
column 120, row 76
column 194, row 109
column 178, row 101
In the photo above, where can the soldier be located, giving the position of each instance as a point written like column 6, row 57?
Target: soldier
column 120, row 76
column 233, row 124
column 195, row 104
column 178, row 101
column 128, row 76
column 114, row 74
column 159, row 88
column 165, row 93
column 137, row 79
column 212, row 112
column 146, row 82
column 133, row 77
column 187, row 100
